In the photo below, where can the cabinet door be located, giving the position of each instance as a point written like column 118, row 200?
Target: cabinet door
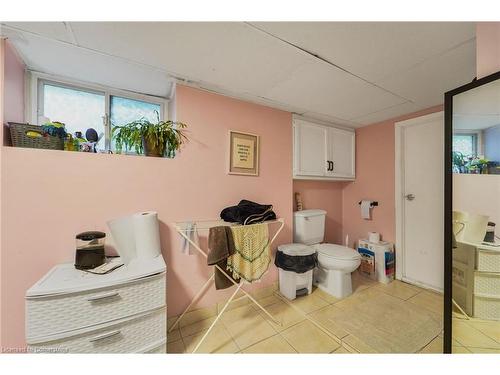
column 341, row 151
column 310, row 152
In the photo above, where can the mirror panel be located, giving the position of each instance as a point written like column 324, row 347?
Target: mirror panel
column 475, row 275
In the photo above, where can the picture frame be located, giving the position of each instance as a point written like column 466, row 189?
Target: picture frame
column 244, row 149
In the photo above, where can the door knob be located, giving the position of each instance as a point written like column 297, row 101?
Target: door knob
column 410, row 197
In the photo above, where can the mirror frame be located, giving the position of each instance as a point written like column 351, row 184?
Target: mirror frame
column 448, row 202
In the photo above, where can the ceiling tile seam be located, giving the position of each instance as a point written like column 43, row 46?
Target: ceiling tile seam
column 318, row 57
column 137, row 63
column 382, row 110
column 436, row 55
column 71, row 34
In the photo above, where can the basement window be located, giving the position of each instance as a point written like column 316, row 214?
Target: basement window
column 81, row 106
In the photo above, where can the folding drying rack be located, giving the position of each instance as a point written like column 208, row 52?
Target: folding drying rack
column 185, row 227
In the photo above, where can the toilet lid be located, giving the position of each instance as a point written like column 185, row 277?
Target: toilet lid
column 296, row 249
column 337, row 251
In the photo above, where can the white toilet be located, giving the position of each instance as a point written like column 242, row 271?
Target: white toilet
column 336, row 262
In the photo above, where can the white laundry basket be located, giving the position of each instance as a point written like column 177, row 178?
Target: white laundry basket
column 291, row 282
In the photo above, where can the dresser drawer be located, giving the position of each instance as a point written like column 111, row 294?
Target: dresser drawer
column 487, row 308
column 488, row 260
column 487, row 284
column 61, row 314
column 134, row 335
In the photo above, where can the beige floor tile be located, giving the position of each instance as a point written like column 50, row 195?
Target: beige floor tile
column 305, row 337
column 325, row 296
column 239, row 313
column 359, row 297
column 309, row 303
column 218, row 341
column 283, row 313
column 196, row 315
column 341, row 350
column 174, row 335
column 358, row 345
column 326, row 318
column 197, row 327
column 435, row 346
column 360, row 282
column 489, row 328
column 241, row 301
column 428, row 300
column 175, row 347
column 468, row 336
column 459, row 350
column 249, row 330
column 272, row 345
column 264, row 292
column 399, row 289
column 266, row 301
column 483, row 350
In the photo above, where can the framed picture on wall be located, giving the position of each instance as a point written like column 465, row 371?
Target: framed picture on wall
column 243, row 153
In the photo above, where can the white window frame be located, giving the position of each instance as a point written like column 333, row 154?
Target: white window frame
column 34, row 97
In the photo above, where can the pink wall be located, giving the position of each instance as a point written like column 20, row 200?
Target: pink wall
column 374, row 180
column 52, row 195
column 487, row 48
column 14, row 86
column 327, row 196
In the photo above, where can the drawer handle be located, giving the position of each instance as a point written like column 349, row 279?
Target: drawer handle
column 105, row 336
column 103, row 296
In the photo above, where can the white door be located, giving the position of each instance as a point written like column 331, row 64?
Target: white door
column 419, row 200
column 341, row 152
column 310, row 149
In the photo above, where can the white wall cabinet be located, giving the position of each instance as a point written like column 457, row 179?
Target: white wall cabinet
column 322, row 152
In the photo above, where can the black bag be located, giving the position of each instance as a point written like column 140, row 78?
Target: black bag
column 248, row 212
column 296, row 263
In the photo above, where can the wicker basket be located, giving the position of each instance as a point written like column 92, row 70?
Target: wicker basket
column 18, row 134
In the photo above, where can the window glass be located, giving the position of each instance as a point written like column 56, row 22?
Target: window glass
column 79, row 110
column 124, row 111
column 465, row 143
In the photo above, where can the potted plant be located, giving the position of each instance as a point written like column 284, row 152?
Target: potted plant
column 160, row 138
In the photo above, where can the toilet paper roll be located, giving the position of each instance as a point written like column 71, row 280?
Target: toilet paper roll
column 122, row 233
column 373, row 237
column 147, row 234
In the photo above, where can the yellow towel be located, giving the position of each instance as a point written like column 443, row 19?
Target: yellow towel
column 252, row 257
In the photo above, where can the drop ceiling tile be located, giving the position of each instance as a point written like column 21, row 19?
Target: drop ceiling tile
column 322, row 88
column 387, row 113
column 229, row 54
column 54, row 30
column 53, row 57
column 329, row 120
column 373, row 50
column 426, row 83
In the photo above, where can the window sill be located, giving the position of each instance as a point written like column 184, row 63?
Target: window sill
column 89, row 154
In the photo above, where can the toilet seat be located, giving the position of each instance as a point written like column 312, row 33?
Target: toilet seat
column 337, row 251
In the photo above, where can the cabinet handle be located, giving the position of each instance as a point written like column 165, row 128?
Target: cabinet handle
column 104, row 336
column 330, row 165
column 103, row 296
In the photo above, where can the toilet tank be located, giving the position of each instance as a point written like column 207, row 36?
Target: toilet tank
column 309, row 226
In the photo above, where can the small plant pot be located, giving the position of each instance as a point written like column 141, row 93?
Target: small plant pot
column 152, row 149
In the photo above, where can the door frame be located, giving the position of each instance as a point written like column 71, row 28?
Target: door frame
column 399, row 128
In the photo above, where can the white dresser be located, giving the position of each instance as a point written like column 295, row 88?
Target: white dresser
column 72, row 311
column 476, row 279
